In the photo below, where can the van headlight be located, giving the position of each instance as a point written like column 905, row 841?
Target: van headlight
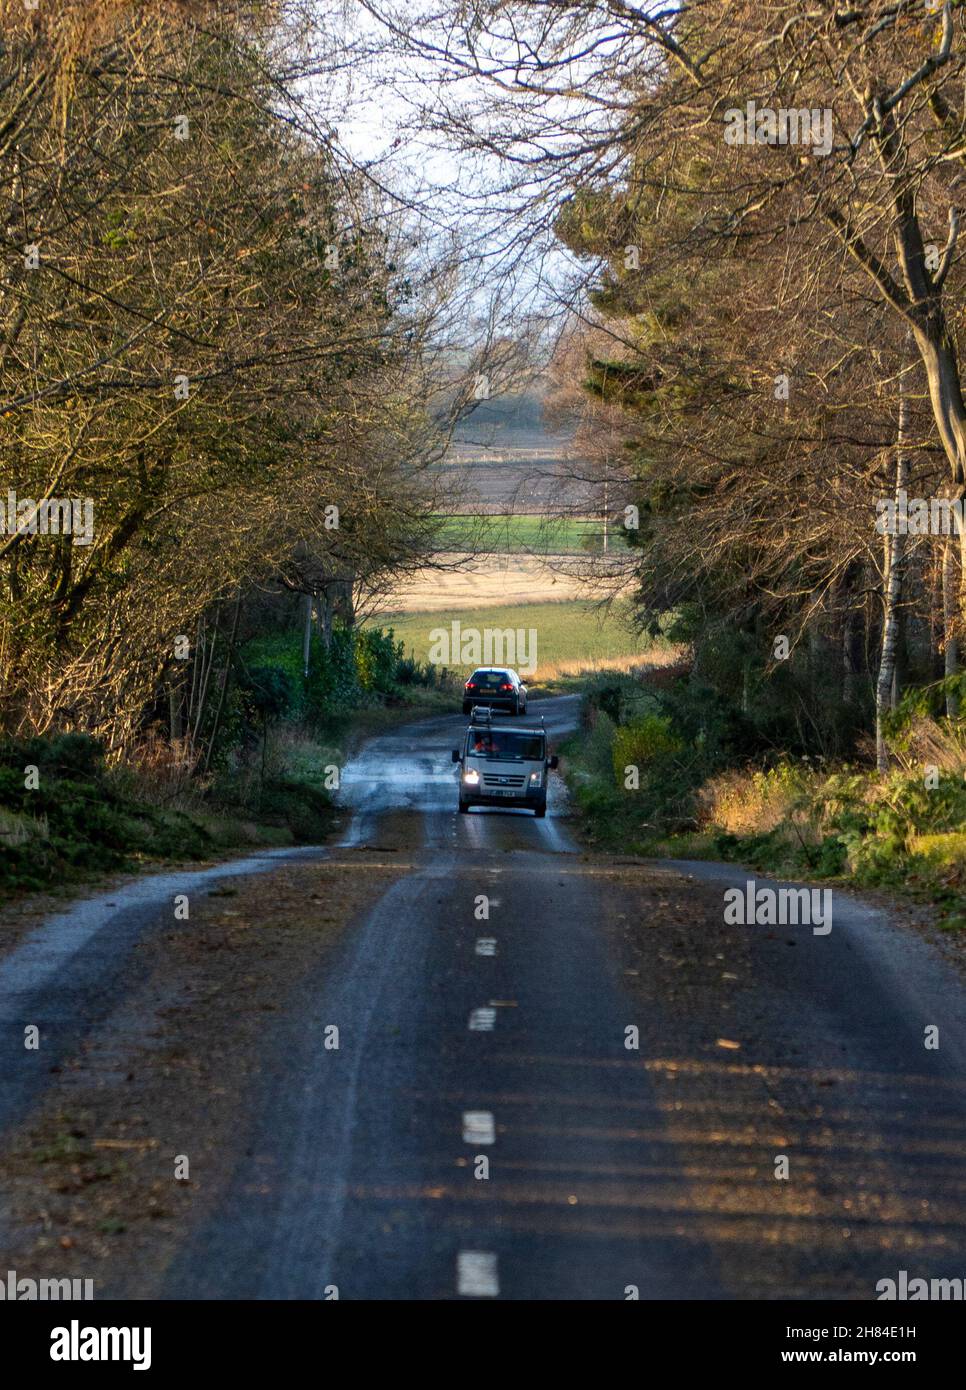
column 471, row 777
column 535, row 779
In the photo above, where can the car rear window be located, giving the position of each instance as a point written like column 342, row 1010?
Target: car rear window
column 490, row 680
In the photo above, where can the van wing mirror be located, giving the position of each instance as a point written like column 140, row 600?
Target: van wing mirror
column 553, row 761
column 456, row 755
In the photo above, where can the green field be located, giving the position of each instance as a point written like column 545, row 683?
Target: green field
column 523, row 534
column 568, row 635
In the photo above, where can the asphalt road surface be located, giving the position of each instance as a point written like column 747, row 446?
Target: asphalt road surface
column 484, row 1131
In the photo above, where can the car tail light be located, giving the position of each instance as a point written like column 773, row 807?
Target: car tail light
column 470, row 685
column 504, row 686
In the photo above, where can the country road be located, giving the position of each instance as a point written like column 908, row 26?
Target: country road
column 483, row 1129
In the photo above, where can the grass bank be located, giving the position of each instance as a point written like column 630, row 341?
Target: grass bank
column 663, row 770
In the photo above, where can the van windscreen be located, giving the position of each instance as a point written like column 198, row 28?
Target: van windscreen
column 502, row 743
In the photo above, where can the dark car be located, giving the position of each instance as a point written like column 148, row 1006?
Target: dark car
column 497, row 687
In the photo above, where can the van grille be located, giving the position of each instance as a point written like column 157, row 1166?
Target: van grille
column 493, row 779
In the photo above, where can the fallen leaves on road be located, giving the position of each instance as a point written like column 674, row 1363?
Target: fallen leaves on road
column 170, row 1071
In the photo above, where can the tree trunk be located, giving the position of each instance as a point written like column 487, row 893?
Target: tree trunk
column 945, row 394
column 893, row 547
column 307, row 636
column 326, row 602
column 900, row 665
column 175, row 693
column 852, row 657
column 950, row 644
column 347, row 605
column 226, row 675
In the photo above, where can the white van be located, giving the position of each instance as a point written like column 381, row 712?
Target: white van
column 502, row 765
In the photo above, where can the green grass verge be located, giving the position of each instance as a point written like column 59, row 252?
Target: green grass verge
column 95, row 830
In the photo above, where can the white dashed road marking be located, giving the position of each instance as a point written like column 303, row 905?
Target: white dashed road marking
column 476, row 1274
column 486, row 946
column 482, row 1020
column 478, row 1127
